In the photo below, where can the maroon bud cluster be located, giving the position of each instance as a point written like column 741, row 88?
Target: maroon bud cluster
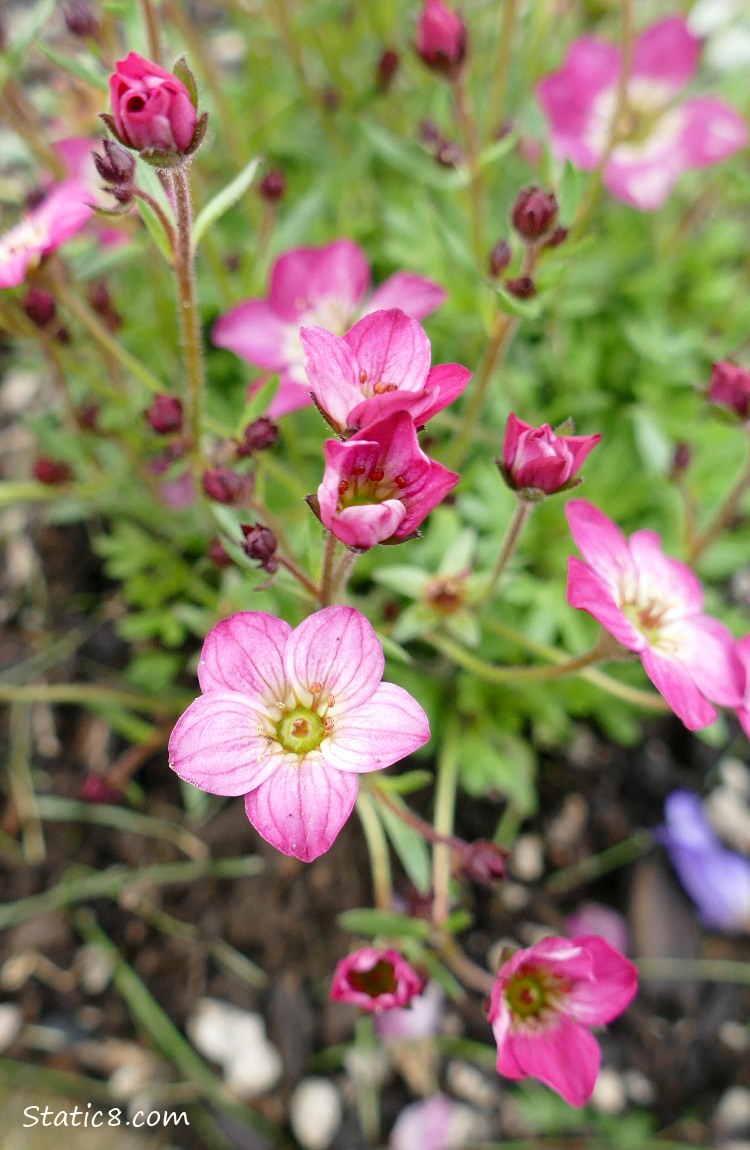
column 258, row 436
column 52, row 472
column 116, row 166
column 260, row 545
column 388, row 66
column 225, row 486
column 447, row 152
column 499, row 258
column 522, row 287
column 40, row 307
column 88, row 416
column 483, row 862
column 96, row 789
column 218, row 554
column 81, row 20
column 100, row 301
column 165, row 414
column 534, row 214
column 273, row 186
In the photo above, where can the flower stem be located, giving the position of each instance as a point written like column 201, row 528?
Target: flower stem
column 445, row 802
column 188, row 312
column 592, row 868
column 93, row 695
column 327, row 581
column 407, row 816
column 153, row 32
column 312, row 588
column 521, row 514
column 467, row 971
column 502, row 68
column 494, row 673
column 724, row 516
column 468, row 126
column 377, row 846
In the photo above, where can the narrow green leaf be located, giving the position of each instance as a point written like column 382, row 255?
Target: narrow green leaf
column 92, row 76
column 374, row 922
column 410, row 847
column 224, row 200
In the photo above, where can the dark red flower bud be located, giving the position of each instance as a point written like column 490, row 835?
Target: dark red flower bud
column 88, row 416
column 441, row 39
column 225, row 486
column 171, row 453
column 729, row 387
column 257, row 436
column 449, row 154
column 62, row 335
column 387, row 68
column 96, row 789
column 165, row 414
column 273, row 186
column 681, row 459
column 115, row 165
column 523, row 287
column 39, row 306
column 429, row 134
column 80, row 19
column 260, row 544
column 483, row 862
column 218, row 554
column 53, row 472
column 559, row 236
column 331, row 98
column 499, row 258
column 100, row 300
column 534, row 213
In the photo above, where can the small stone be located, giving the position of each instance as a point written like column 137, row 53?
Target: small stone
column 468, row 1083
column 735, row 1036
column 527, row 859
column 735, row 775
column 236, row 1039
column 95, row 968
column 514, row 896
column 729, row 814
column 732, row 1115
column 609, row 1092
column 11, row 1020
column 315, row 1113
column 641, row 1089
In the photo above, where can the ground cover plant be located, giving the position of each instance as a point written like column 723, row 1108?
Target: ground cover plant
column 370, row 781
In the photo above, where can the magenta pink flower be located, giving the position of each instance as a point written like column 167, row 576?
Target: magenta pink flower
column 653, row 605
column 537, row 462
column 382, row 365
column 375, row 980
column 379, row 485
column 729, row 387
column 660, row 137
column 289, row 718
column 441, row 38
column 314, row 287
column 438, row 1123
column 152, row 108
column 62, row 214
column 742, row 648
column 543, row 1002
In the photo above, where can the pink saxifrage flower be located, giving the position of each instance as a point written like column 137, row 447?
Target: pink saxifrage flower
column 289, row 718
column 62, row 214
column 375, row 980
column 543, row 1002
column 653, row 605
column 380, row 366
column 151, row 108
column 379, row 485
column 314, row 287
column 441, row 38
column 537, row 462
column 729, row 387
column 658, row 138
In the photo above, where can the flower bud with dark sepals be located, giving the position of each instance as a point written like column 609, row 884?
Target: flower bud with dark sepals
column 154, row 112
column 559, row 236
column 96, row 789
column 165, row 414
column 482, row 862
column 88, row 416
column 81, row 19
column 441, row 40
column 273, row 186
column 522, row 287
column 729, row 387
column 225, row 486
column 100, row 301
column 257, row 436
column 499, row 258
column 218, row 554
column 388, row 66
column 115, row 164
column 681, row 460
column 449, row 154
column 40, row 307
column 534, row 213
column 260, row 544
column 52, row 472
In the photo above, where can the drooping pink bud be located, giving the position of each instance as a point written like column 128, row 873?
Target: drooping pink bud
column 441, row 39
column 165, row 414
column 153, row 111
column 115, row 164
column 388, row 66
column 536, row 462
column 729, row 387
column 534, row 213
column 375, row 980
column 80, row 19
column 483, row 862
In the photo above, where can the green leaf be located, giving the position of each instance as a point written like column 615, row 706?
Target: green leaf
column 375, row 922
column 522, row 308
column 258, row 402
column 410, row 847
column 407, row 783
column 94, row 77
column 410, row 159
column 224, row 200
column 16, row 54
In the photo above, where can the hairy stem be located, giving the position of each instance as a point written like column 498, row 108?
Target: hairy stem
column 189, row 317
column 701, row 541
column 445, row 802
column 470, row 135
column 521, row 514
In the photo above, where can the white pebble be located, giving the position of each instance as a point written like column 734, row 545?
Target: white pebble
column 527, row 859
column 733, row 1112
column 10, row 1023
column 609, row 1092
column 735, row 1036
column 236, row 1039
column 640, row 1089
column 315, row 1113
column 468, row 1083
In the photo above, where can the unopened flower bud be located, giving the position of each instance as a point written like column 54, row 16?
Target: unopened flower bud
column 483, row 862
column 52, row 472
column 257, row 436
column 441, row 39
column 260, row 544
column 729, row 387
column 499, row 258
column 115, row 164
column 225, row 486
column 88, row 416
column 537, row 462
column 39, row 306
column 522, row 287
column 534, row 213
column 97, row 293
column 218, row 554
column 165, row 414
column 559, row 236
column 388, row 65
column 273, row 186
column 81, row 20
column 681, row 459
column 96, row 789
column 449, row 154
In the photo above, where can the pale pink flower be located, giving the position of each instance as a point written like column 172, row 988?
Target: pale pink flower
column 381, row 365
column 419, row 1020
column 661, row 136
column 537, row 462
column 289, row 718
column 653, row 605
column 604, row 921
column 543, row 1002
column 62, row 214
column 379, row 485
column 438, row 1123
column 375, row 980
column 314, row 287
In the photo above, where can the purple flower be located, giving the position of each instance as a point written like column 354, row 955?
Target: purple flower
column 716, row 878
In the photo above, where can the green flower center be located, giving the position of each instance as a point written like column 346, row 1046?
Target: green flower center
column 525, row 995
column 363, row 487
column 300, row 730
column 380, row 980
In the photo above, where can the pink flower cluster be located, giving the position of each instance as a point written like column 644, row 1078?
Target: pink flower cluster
column 658, row 137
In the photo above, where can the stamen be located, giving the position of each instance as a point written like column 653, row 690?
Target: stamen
column 358, row 470
column 377, row 474
column 380, row 388
column 363, row 377
column 328, row 724
column 343, row 487
column 400, row 481
column 315, row 688
column 331, row 700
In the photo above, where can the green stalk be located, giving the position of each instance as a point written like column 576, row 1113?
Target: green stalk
column 93, row 694
column 377, row 846
column 445, row 803
column 189, row 317
column 521, row 514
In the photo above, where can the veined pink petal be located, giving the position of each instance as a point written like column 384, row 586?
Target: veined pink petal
column 378, row 732
column 391, row 348
column 301, row 809
column 706, row 649
column 600, row 541
column 245, row 653
column 711, row 131
column 671, row 580
column 569, row 99
column 305, row 277
column 588, row 591
column 336, row 649
column 291, row 395
column 364, row 527
column 614, row 985
column 333, row 371
column 643, row 175
column 675, row 683
column 215, row 745
column 666, row 53
column 414, row 294
column 565, row 1056
column 256, row 332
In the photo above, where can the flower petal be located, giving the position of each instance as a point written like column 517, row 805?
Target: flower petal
column 215, row 745
column 614, row 985
column 301, row 808
column 565, row 1057
column 391, row 348
column 336, row 649
column 676, row 684
column 666, row 54
column 254, row 331
column 707, row 652
column 414, row 294
column 662, row 578
column 588, row 591
column 570, row 97
column 333, row 372
column 600, row 541
column 304, row 278
column 711, row 131
column 382, row 730
column 245, row 653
